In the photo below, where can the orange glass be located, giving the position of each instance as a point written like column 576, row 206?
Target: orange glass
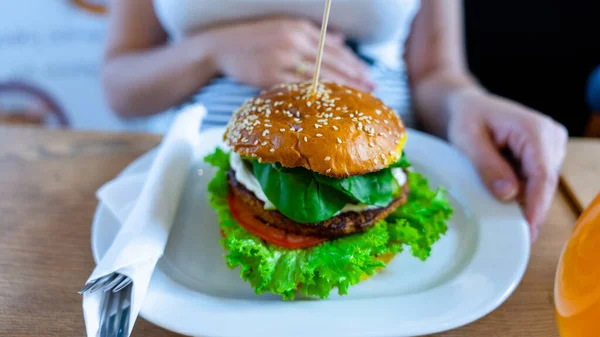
column 577, row 286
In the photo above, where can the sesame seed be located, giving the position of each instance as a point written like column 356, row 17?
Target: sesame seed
column 305, row 139
column 382, row 156
column 328, row 170
column 266, row 132
column 244, row 140
column 351, row 115
column 264, row 143
column 268, row 125
column 273, row 150
column 318, row 126
column 327, row 158
column 290, row 105
column 282, row 130
column 348, row 91
column 256, row 142
column 378, row 112
column 254, row 155
column 308, row 103
column 385, row 121
column 335, row 128
column 300, row 130
column 390, row 132
column 319, row 135
column 339, row 141
column 338, row 109
column 297, row 120
column 360, row 126
column 371, row 145
column 391, row 153
column 338, row 118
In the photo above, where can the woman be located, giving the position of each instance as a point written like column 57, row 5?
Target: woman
column 164, row 52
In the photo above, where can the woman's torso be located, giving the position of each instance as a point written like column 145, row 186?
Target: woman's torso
column 378, row 28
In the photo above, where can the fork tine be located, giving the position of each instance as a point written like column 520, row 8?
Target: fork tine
column 86, row 287
column 122, row 285
column 101, row 283
column 110, row 285
column 93, row 283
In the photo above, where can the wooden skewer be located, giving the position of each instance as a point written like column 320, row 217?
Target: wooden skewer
column 321, row 47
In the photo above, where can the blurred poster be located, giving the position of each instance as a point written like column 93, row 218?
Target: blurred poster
column 50, row 56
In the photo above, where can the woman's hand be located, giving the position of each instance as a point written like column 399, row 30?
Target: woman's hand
column 271, row 51
column 485, row 127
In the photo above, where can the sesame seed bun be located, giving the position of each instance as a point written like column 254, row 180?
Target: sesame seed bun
column 340, row 132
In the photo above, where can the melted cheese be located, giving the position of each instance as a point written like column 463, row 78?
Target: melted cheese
column 246, row 177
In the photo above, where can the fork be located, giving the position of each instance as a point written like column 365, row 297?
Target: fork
column 116, row 303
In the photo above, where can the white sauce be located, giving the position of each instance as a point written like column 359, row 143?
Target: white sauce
column 246, row 177
column 399, row 175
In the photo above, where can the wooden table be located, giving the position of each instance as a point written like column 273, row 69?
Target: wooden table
column 47, row 185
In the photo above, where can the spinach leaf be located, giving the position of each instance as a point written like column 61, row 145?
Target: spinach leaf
column 401, row 163
column 308, row 197
column 370, row 189
column 297, row 194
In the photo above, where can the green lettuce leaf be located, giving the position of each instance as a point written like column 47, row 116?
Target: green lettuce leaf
column 317, row 271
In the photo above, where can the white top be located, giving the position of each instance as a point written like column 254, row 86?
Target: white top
column 379, row 26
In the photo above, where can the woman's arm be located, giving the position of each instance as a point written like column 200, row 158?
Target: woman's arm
column 436, row 61
column 142, row 74
column 486, row 128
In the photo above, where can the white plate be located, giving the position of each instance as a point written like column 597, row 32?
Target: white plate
column 471, row 271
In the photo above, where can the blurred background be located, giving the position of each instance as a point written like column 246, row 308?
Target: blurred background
column 50, row 54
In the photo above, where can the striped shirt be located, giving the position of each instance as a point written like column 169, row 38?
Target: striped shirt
column 223, row 96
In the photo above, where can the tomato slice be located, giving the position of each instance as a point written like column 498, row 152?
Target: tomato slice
column 273, row 235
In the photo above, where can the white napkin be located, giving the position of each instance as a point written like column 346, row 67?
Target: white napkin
column 146, row 223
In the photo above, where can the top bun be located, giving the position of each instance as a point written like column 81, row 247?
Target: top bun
column 340, row 132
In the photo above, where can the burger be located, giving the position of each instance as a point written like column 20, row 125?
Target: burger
column 314, row 191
